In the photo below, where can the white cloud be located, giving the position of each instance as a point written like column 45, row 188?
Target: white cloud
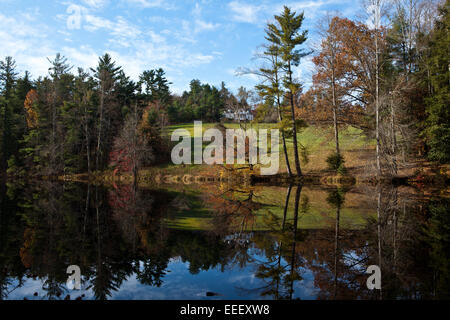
column 157, row 38
column 133, row 47
column 96, row 3
column 146, row 50
column 201, row 25
column 257, row 14
column 125, row 29
column 148, row 3
column 84, row 57
column 121, row 29
column 26, row 42
column 305, row 71
column 200, row 59
column 94, row 23
column 197, row 11
column 159, row 20
column 300, row 6
column 244, row 12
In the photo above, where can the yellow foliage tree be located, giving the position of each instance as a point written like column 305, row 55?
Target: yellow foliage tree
column 30, row 101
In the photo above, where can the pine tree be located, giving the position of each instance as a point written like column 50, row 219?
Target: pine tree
column 287, row 36
column 106, row 75
column 8, row 77
column 61, row 88
column 437, row 131
column 155, row 86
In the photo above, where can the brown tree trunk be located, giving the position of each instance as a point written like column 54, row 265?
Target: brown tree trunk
column 336, row 129
column 294, row 127
column 394, row 140
column 280, row 118
column 377, row 95
column 99, row 134
column 283, row 137
column 88, row 148
column 135, row 159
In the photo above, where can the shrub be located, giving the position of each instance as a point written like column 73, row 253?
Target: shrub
column 336, row 163
column 342, row 170
column 13, row 168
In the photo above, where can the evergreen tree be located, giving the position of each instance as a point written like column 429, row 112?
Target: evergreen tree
column 286, row 34
column 8, row 78
column 61, row 90
column 437, row 130
column 154, row 86
column 106, row 74
column 271, row 92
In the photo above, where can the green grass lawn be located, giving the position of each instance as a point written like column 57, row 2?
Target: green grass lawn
column 356, row 148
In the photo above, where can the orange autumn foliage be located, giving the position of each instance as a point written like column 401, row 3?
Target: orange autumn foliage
column 29, row 104
column 347, row 56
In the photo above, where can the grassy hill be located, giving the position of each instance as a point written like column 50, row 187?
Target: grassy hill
column 356, row 148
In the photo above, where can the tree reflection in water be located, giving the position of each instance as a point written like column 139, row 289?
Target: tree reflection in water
column 122, row 233
column 281, row 266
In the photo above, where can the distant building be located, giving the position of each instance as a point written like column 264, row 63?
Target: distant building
column 239, row 115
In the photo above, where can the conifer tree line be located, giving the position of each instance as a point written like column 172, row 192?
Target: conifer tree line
column 77, row 121
column 68, row 121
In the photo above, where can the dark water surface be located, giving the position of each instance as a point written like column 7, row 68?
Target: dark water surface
column 222, row 242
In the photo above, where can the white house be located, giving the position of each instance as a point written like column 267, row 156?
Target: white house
column 238, row 115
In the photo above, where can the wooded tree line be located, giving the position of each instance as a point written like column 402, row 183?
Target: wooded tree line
column 207, row 103
column 384, row 79
column 84, row 120
column 80, row 121
column 388, row 75
column 201, row 102
column 76, row 121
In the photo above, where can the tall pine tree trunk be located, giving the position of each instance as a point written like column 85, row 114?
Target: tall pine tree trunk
column 99, row 134
column 394, row 140
column 6, row 136
column 377, row 90
column 283, row 137
column 294, row 127
column 135, row 156
column 53, row 137
column 88, row 149
column 280, row 116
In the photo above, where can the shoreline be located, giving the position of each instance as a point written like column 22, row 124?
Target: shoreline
column 207, row 174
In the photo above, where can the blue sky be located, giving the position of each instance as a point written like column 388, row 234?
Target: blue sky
column 204, row 39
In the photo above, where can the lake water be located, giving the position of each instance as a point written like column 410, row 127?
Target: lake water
column 218, row 241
